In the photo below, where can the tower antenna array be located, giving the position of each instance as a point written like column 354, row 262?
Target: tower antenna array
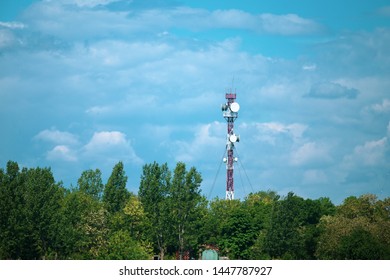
column 230, row 113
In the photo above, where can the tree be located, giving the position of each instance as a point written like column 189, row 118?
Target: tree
column 238, row 234
column 218, row 229
column 41, row 219
column 12, row 212
column 29, row 206
column 90, row 182
column 153, row 194
column 361, row 244
column 42, row 201
column 121, row 246
column 292, row 233
column 84, row 226
column 184, row 200
column 283, row 240
column 135, row 215
column 360, row 229
column 115, row 193
column 260, row 206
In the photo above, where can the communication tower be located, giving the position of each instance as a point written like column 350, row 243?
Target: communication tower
column 230, row 113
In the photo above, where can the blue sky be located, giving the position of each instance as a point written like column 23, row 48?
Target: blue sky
column 86, row 83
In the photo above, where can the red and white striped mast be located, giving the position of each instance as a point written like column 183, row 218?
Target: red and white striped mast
column 230, row 113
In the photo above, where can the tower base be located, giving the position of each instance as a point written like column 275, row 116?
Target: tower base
column 229, row 195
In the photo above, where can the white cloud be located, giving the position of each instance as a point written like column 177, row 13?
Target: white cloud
column 207, row 138
column 83, row 3
column 279, row 90
column 331, row 90
column 388, row 130
column 362, row 54
column 104, row 146
column 371, row 153
column 12, row 24
column 62, row 153
column 383, row 107
column 270, row 131
column 67, row 22
column 110, row 146
column 310, row 153
column 126, row 69
column 58, row 17
column 91, row 3
column 309, row 67
column 295, row 129
column 290, row 24
column 315, row 176
column 57, row 137
column 200, row 19
column 7, row 39
column 129, row 105
column 97, row 110
column 104, row 139
column 120, row 53
column 8, row 34
column 233, row 19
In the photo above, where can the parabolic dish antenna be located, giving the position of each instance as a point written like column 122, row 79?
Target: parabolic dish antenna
column 234, row 107
column 233, row 138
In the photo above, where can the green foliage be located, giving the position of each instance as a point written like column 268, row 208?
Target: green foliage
column 153, row 194
column 115, row 193
column 238, row 234
column 29, row 206
column 135, row 215
column 360, row 229
column 283, row 237
column 121, row 246
column 184, row 199
column 42, row 202
column 11, row 212
column 84, row 226
column 260, row 205
column 90, row 182
column 292, row 233
column 40, row 219
column 360, row 244
column 173, row 207
column 217, row 229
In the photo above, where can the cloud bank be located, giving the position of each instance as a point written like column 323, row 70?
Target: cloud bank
column 88, row 83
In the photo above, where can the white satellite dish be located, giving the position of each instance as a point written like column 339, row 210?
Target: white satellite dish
column 234, row 107
column 233, row 138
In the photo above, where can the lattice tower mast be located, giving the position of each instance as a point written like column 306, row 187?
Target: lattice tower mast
column 230, row 113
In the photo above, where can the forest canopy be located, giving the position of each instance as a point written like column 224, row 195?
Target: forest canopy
column 169, row 218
